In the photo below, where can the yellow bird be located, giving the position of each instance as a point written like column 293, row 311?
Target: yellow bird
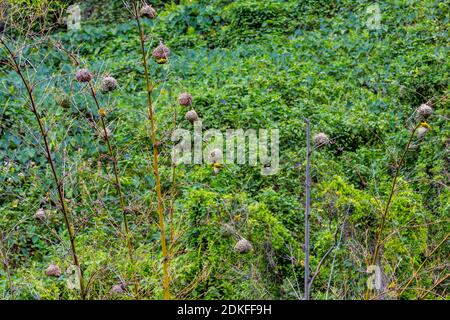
column 424, row 124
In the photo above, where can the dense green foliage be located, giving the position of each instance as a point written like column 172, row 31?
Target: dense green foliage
column 248, row 64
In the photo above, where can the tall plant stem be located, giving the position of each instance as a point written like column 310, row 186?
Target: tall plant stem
column 149, row 89
column 118, row 186
column 172, row 200
column 117, row 182
column 48, row 155
column 379, row 234
column 307, row 209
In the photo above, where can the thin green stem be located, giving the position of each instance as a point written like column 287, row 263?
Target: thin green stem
column 149, row 89
column 378, row 244
column 58, row 182
column 117, row 181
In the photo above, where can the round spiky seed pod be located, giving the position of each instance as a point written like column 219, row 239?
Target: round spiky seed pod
column 421, row 131
column 243, row 246
column 216, row 156
column 148, row 11
column 108, row 84
column 40, row 214
column 321, row 139
column 191, row 116
column 424, row 110
column 117, row 289
column 161, row 53
column 83, row 75
column 185, row 99
column 53, row 270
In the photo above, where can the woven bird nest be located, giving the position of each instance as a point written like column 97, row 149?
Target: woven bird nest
column 243, row 246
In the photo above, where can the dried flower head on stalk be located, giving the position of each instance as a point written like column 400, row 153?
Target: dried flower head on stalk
column 161, row 53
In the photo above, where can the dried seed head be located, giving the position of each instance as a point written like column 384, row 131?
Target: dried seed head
column 117, row 289
column 185, row 99
column 191, row 115
column 321, row 139
column 83, row 75
column 216, row 156
column 102, row 135
column 108, row 84
column 161, row 53
column 243, row 246
column 53, row 270
column 40, row 214
column 148, row 11
column 424, row 110
column 421, row 131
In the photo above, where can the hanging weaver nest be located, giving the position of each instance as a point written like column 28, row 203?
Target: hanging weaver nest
column 83, row 75
column 191, row 115
column 321, row 139
column 148, row 11
column 161, row 53
column 185, row 99
column 424, row 111
column 243, row 246
column 53, row 271
column 108, row 84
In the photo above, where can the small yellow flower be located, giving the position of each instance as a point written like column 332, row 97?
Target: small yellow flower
column 102, row 113
column 237, row 217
